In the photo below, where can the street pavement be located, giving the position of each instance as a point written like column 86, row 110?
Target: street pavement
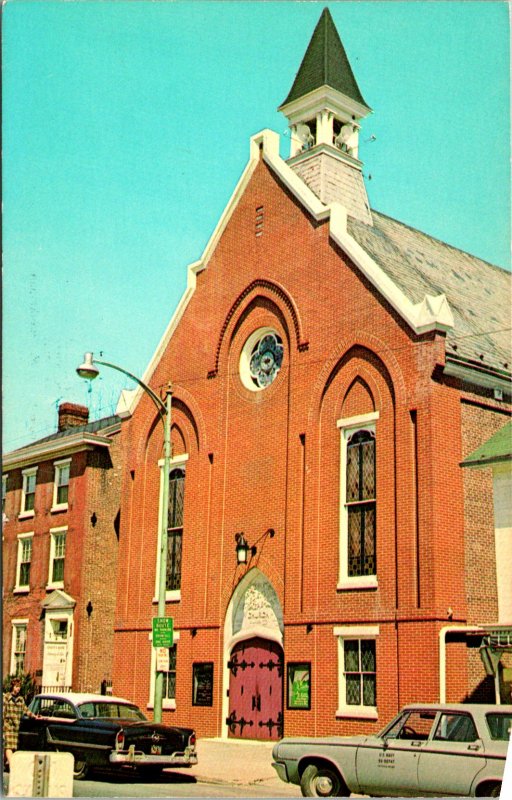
column 226, row 768
column 241, row 762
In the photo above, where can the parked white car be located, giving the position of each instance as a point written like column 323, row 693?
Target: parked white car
column 427, row 750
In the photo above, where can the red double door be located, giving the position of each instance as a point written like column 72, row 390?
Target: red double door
column 256, row 690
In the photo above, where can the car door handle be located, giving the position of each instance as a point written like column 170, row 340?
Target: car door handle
column 416, row 744
column 473, row 747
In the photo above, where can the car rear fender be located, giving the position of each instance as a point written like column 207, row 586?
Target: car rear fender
column 319, row 759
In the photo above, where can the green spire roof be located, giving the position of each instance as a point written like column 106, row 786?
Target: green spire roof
column 325, row 63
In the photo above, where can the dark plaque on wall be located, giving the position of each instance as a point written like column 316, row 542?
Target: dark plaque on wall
column 202, row 684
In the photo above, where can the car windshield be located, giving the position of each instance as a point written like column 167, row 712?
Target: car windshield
column 500, row 726
column 110, row 710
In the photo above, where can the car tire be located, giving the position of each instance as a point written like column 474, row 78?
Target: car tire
column 80, row 769
column 495, row 791
column 322, row 781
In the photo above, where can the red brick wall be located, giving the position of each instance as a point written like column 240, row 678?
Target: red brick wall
column 272, row 460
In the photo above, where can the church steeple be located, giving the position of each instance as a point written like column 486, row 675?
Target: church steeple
column 325, row 63
column 324, row 108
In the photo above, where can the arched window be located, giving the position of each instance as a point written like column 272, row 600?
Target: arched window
column 175, row 528
column 360, row 502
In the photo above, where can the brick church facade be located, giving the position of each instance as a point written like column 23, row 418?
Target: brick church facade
column 330, row 373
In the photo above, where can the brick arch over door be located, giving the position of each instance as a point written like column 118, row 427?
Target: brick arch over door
column 254, row 618
column 278, row 297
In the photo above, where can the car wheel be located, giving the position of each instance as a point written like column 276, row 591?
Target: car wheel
column 322, row 781
column 80, row 769
column 495, row 791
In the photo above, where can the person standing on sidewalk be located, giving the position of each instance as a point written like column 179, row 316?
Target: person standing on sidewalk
column 14, row 707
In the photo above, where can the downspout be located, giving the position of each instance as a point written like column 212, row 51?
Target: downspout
column 442, row 652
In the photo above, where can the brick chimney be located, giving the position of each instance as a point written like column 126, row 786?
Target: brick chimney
column 71, row 415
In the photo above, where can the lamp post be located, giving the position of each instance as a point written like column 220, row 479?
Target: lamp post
column 89, row 370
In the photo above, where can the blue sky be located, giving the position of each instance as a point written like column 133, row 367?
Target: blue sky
column 126, row 127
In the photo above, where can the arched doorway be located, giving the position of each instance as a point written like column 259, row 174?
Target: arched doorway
column 256, row 690
column 253, row 661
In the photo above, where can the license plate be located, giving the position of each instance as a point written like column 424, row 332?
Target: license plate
column 156, row 749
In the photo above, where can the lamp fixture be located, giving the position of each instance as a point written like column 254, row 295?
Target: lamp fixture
column 242, row 546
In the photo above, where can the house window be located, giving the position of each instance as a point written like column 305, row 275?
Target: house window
column 24, row 560
column 358, row 516
column 19, row 646
column 61, row 484
column 357, row 671
column 57, row 556
column 175, row 528
column 28, row 492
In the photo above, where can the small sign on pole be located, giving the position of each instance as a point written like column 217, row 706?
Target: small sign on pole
column 163, row 632
column 162, row 659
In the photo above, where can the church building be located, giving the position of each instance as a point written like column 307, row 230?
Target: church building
column 328, row 558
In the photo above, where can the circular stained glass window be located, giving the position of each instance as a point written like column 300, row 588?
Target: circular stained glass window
column 261, row 359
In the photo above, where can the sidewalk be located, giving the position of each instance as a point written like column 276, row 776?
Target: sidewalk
column 237, row 762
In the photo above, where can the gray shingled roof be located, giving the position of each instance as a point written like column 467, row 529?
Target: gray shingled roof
column 479, row 293
column 325, row 63
column 91, row 427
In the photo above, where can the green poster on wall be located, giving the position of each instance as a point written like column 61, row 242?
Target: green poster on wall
column 299, row 682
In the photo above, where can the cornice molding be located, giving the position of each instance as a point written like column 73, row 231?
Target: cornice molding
column 44, row 451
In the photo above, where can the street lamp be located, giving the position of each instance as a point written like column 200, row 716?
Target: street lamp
column 89, row 370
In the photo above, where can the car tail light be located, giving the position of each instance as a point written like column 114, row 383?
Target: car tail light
column 192, row 740
column 120, row 740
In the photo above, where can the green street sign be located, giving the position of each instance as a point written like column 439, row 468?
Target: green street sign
column 163, row 631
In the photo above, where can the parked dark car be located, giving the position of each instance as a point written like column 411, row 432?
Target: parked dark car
column 426, row 751
column 104, row 732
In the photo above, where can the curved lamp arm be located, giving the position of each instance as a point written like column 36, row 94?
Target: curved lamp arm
column 89, row 371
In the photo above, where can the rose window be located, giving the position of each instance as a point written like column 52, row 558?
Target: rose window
column 261, row 359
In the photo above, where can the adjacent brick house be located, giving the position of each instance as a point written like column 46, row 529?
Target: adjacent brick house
column 60, row 499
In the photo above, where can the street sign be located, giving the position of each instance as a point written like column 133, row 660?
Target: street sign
column 162, row 659
column 163, row 631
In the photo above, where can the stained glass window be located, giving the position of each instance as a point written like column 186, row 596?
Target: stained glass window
column 361, row 503
column 175, row 528
column 266, row 359
column 360, row 672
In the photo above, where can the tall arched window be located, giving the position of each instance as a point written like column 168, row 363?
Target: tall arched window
column 175, row 528
column 360, row 502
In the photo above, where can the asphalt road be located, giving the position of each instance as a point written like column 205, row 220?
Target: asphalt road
column 171, row 784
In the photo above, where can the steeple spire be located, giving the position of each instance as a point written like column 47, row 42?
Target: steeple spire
column 325, row 63
column 324, row 108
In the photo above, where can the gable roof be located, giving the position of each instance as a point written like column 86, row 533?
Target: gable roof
column 478, row 293
column 64, row 442
column 325, row 63
column 497, row 448
column 400, row 263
